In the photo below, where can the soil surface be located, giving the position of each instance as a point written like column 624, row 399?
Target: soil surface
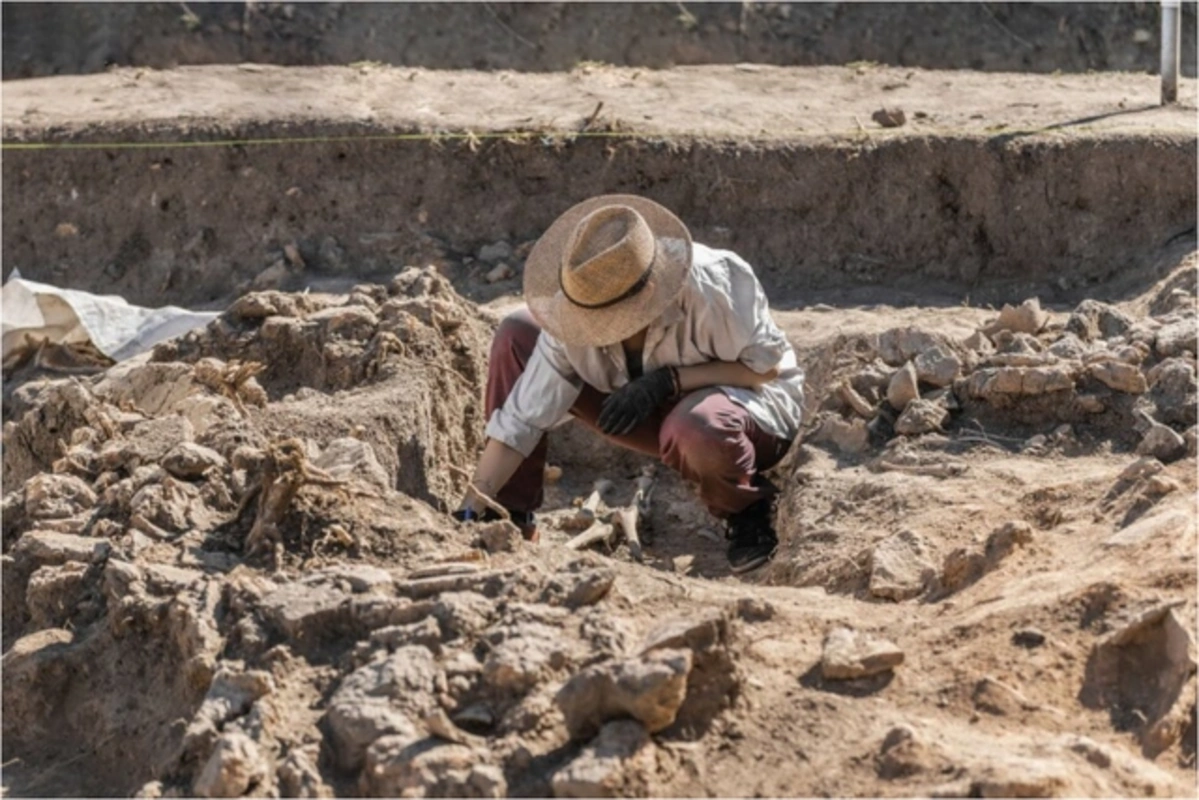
column 60, row 38
column 996, row 186
column 228, row 568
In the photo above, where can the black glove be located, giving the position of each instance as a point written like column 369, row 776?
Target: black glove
column 636, row 401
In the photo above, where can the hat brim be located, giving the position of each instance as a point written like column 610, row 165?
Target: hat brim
column 599, row 327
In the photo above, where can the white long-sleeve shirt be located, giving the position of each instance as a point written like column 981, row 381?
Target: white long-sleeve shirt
column 721, row 315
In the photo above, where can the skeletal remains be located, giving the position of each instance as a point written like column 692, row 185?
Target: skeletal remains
column 602, row 527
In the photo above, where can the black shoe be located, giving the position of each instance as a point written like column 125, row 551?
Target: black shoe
column 752, row 537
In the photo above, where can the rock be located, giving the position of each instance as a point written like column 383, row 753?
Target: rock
column 987, row 382
column 938, row 367
column 53, row 496
column 650, row 689
column 920, row 417
column 848, row 436
column 306, row 613
column 520, row 662
column 617, row 763
column 230, row 695
column 992, row 696
column 348, row 458
column 849, row 654
column 299, row 776
column 54, row 592
column 580, row 585
column 900, row 345
column 189, row 461
column 902, row 754
column 495, row 252
column 1068, row 348
column 500, row 272
column 1173, row 390
column 903, row 387
column 369, row 612
column 697, row 633
column 1162, row 443
column 463, row 614
column 400, row 767
column 353, row 323
column 1011, row 776
column 234, row 766
column 892, row 117
column 755, row 609
column 1093, row 320
column 426, row 633
column 1143, row 665
column 1176, row 338
column 500, row 536
column 1028, row 317
column 148, row 443
column 900, row 567
column 382, row 698
column 360, row 577
column 1119, row 376
column 45, row 547
column 1192, row 439
column 1169, row 525
column 1028, row 638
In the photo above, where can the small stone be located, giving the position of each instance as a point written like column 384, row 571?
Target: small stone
column 1163, row 443
column 518, row 663
column 399, row 767
column 1093, row 320
column 346, row 457
column 650, row 689
column 234, row 766
column 1176, row 338
column 1140, row 469
column 1001, row 543
column 331, row 257
column 848, row 436
column 426, row 633
column 500, row 536
column 188, row 461
column 47, row 547
column 307, row 613
column 961, row 567
column 352, row 322
column 890, row 117
column 992, row 696
column 900, row 567
column 55, row 496
column 900, row 345
column 495, row 252
column 849, row 654
column 580, row 585
column 1119, row 376
column 500, row 272
column 553, row 474
column 903, row 387
column 617, row 763
column 1028, row 317
column 938, row 367
column 920, row 417
column 1028, row 638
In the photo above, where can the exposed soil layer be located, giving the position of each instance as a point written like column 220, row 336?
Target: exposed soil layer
column 217, row 584
column 1000, row 186
column 61, row 38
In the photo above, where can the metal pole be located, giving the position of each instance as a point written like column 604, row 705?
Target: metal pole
column 1171, row 45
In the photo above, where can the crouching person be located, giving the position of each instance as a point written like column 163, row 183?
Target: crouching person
column 657, row 343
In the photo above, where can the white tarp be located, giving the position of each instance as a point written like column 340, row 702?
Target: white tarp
column 34, row 311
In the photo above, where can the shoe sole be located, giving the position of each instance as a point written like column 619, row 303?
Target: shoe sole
column 751, row 565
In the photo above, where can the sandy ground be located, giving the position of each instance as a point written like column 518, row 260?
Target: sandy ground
column 745, row 100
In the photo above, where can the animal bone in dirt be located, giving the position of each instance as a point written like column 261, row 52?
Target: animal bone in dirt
column 631, row 515
column 588, row 515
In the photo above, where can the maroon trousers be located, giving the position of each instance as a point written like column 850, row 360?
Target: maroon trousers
column 706, row 437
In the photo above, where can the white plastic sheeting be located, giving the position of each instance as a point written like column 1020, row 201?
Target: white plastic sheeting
column 34, row 311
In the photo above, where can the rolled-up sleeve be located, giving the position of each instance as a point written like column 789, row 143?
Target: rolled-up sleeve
column 741, row 327
column 541, row 398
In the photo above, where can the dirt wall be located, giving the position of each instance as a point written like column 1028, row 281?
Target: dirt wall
column 62, row 38
column 998, row 215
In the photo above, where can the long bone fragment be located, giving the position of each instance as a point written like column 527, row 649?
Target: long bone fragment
column 631, row 515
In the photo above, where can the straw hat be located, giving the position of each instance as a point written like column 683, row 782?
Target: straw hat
column 606, row 268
